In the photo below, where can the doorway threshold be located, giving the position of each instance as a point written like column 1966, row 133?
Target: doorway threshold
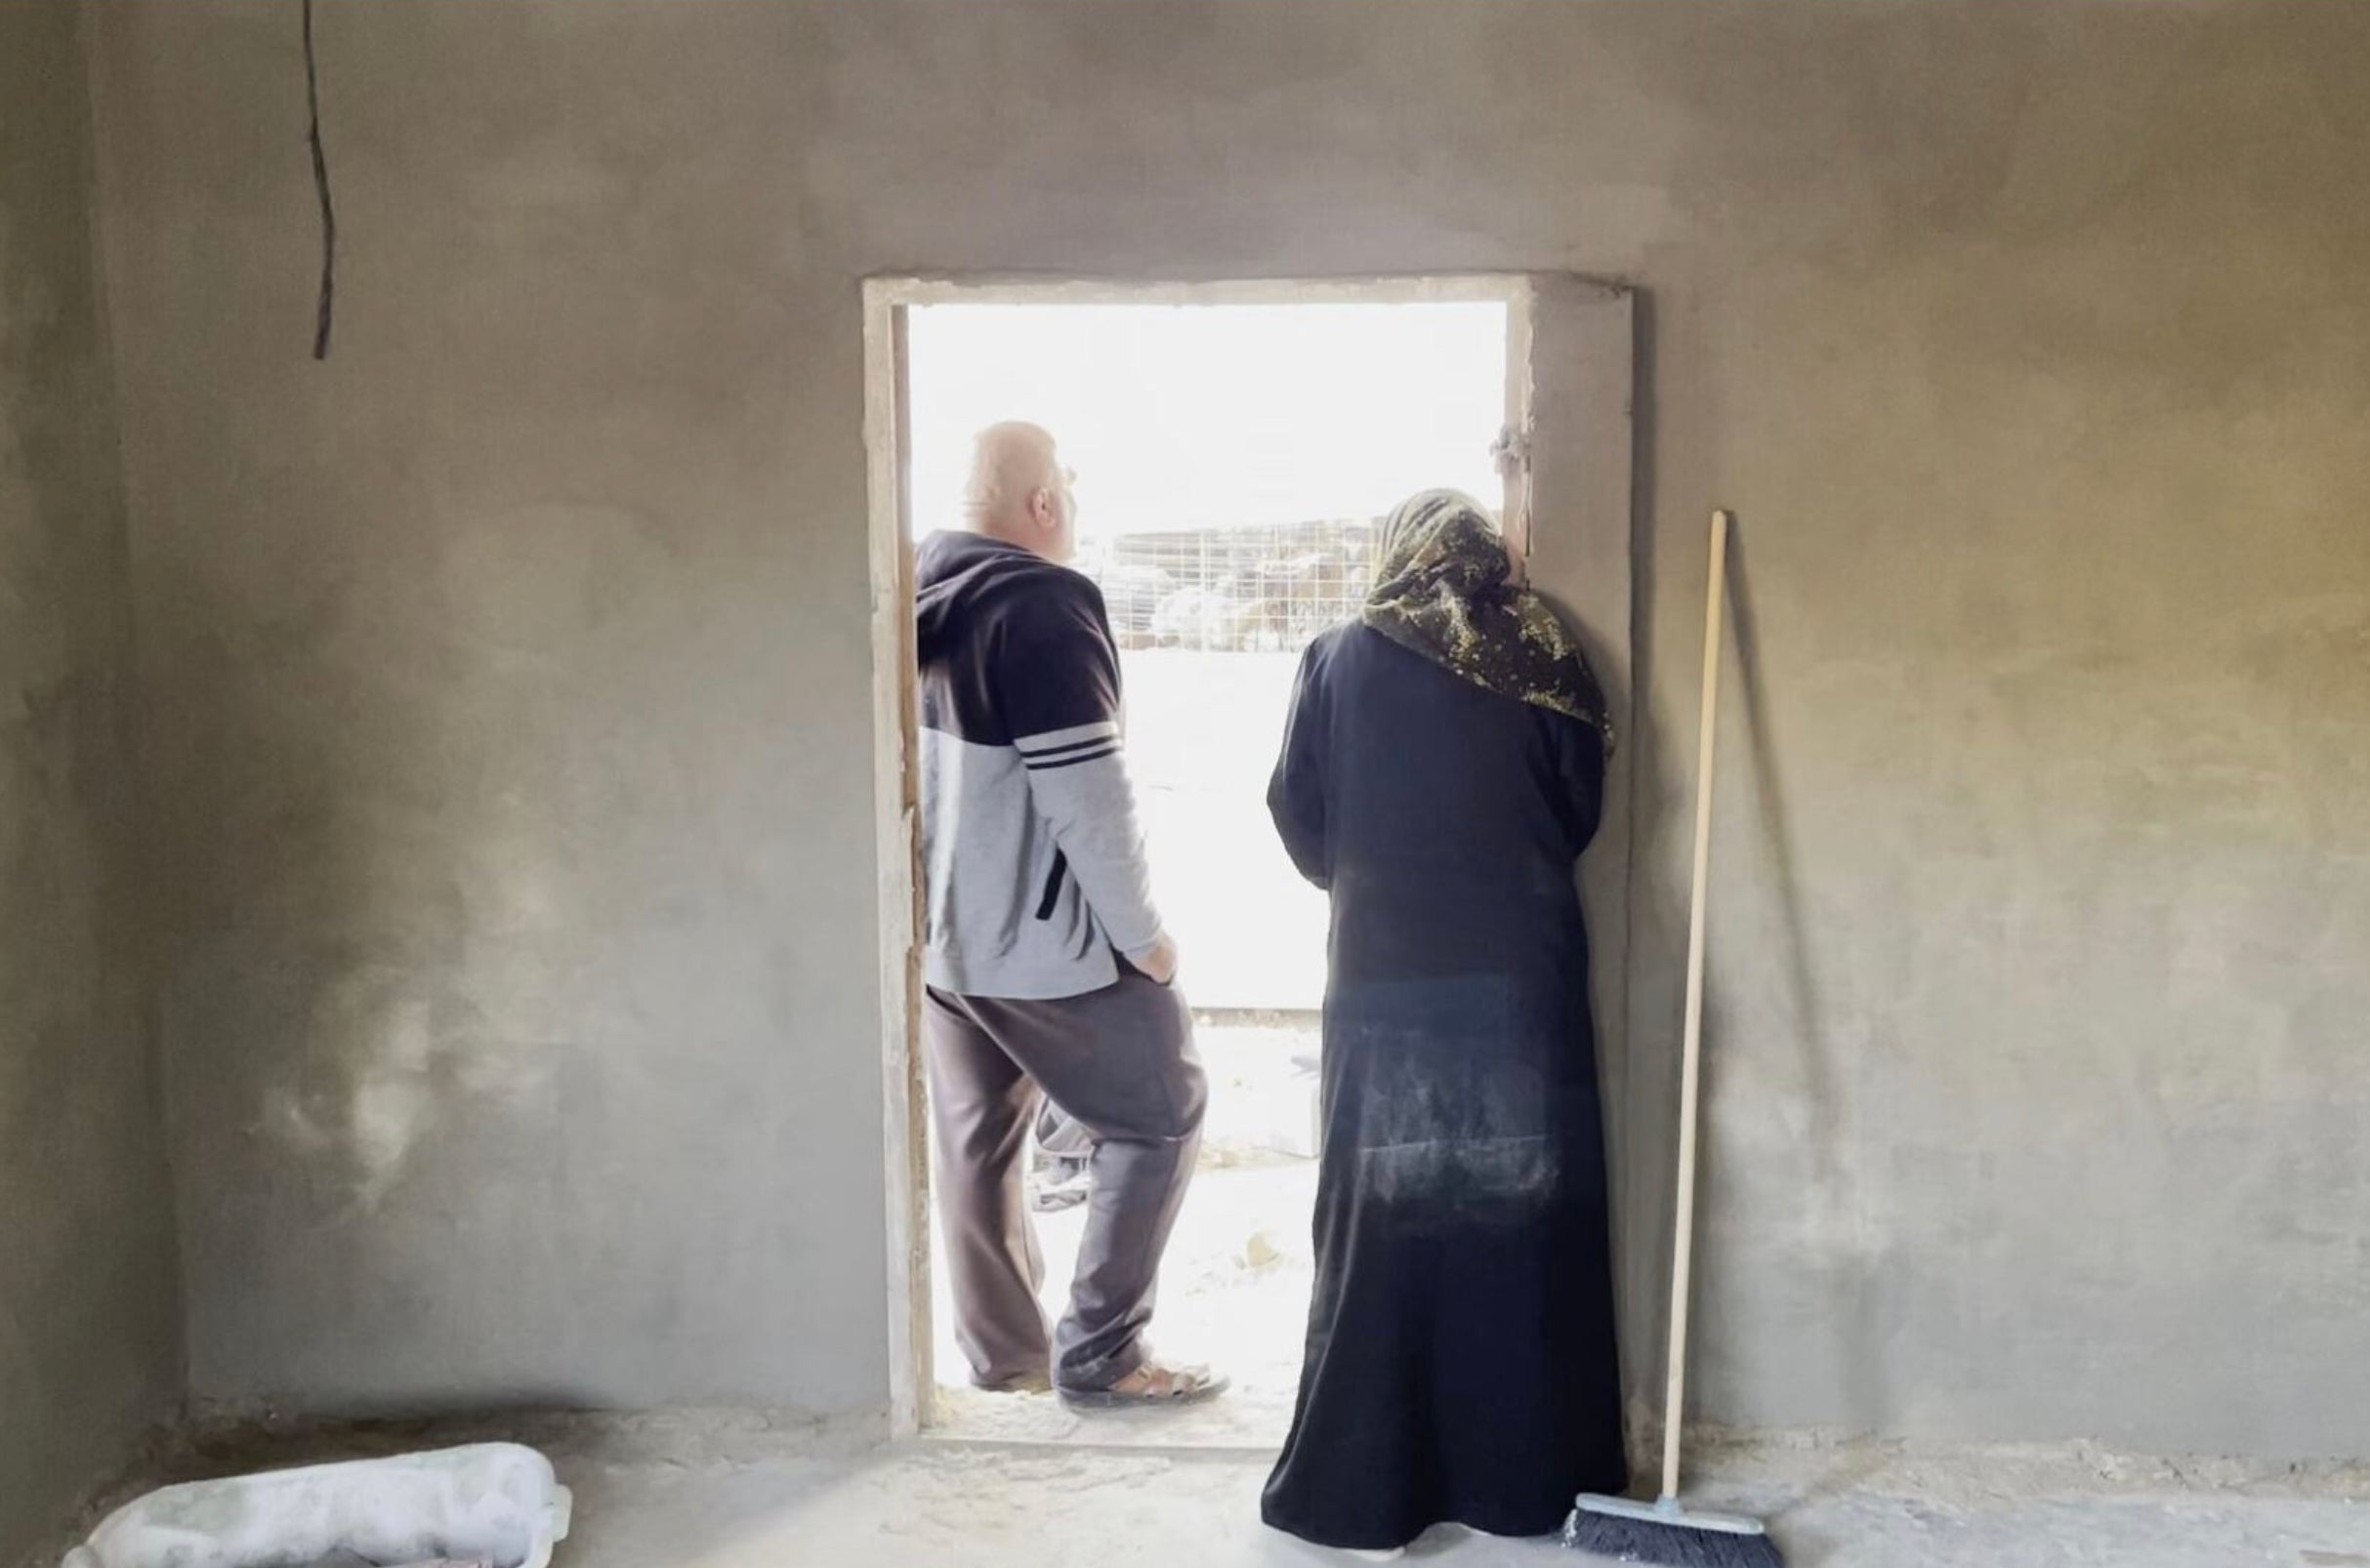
column 1253, row 1424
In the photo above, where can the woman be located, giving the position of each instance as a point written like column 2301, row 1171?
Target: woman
column 1441, row 771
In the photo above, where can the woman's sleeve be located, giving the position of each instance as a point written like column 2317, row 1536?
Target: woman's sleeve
column 1296, row 795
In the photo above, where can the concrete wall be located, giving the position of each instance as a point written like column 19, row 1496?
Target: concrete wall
column 509, row 670
column 88, row 1323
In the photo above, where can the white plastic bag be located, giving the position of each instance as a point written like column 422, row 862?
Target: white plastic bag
column 493, row 1501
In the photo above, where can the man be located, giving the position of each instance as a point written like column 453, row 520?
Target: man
column 1049, row 974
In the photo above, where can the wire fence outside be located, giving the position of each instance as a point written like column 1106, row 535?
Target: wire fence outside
column 1262, row 588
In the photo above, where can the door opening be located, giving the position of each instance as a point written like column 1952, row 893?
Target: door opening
column 1234, row 448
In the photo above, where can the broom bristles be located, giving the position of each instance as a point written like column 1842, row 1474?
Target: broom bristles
column 1671, row 1544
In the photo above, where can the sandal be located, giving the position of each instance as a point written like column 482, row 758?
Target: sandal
column 1150, row 1386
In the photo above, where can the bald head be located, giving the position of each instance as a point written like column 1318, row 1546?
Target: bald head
column 1018, row 491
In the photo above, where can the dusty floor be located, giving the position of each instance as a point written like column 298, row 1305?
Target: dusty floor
column 741, row 1490
column 985, row 1506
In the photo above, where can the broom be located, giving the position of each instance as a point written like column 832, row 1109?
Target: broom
column 1666, row 1531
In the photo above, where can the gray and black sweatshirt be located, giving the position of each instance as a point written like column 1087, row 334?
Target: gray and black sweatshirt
column 1032, row 857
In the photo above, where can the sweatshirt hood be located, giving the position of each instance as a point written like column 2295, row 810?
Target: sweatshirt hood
column 956, row 574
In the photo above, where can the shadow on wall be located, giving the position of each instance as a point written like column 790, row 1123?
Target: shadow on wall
column 1641, row 1067
column 1643, row 1085
column 1798, row 1002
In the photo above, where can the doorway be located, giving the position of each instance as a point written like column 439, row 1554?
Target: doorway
column 1234, row 444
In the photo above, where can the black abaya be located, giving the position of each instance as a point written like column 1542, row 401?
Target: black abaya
column 1461, row 1364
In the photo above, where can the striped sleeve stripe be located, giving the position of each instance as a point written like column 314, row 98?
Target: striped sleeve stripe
column 1054, row 740
column 1043, row 763
column 1055, row 753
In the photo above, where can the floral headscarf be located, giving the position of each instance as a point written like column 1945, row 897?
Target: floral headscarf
column 1444, row 588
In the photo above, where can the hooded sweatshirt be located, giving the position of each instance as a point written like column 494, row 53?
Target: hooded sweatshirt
column 1032, row 859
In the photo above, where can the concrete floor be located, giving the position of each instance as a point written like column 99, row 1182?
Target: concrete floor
column 987, row 1506
column 742, row 1490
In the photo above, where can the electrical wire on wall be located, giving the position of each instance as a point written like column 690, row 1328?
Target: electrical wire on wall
column 320, row 185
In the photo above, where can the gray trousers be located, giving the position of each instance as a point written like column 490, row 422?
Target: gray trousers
column 1119, row 1063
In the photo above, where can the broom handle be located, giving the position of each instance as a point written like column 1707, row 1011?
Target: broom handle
column 1682, row 1252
